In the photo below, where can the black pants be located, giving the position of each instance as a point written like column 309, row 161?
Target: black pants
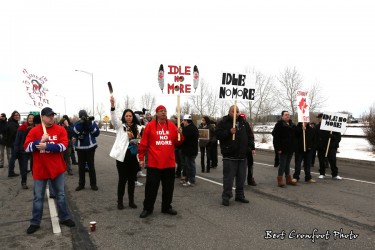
column 250, row 164
column 153, row 179
column 277, row 159
column 177, row 155
column 127, row 172
column 213, row 154
column 83, row 157
column 331, row 159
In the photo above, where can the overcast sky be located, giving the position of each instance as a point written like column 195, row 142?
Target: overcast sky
column 329, row 42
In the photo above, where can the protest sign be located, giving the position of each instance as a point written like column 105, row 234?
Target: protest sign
column 178, row 80
column 335, row 122
column 236, row 87
column 303, row 106
column 204, row 134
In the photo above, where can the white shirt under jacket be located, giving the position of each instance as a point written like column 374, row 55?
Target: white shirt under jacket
column 121, row 144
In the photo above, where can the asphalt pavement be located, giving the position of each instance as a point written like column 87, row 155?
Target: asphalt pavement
column 326, row 215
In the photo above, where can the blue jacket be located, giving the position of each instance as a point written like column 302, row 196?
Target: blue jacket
column 85, row 134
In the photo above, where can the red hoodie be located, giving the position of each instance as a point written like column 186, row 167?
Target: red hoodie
column 160, row 141
column 48, row 163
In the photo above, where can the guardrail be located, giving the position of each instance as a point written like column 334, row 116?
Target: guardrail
column 347, row 136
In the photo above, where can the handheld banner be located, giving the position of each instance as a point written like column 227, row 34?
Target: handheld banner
column 335, row 122
column 236, row 87
column 303, row 106
column 178, row 80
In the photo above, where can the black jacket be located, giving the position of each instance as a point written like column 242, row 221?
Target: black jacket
column 3, row 126
column 190, row 145
column 284, row 138
column 323, row 137
column 309, row 137
column 11, row 131
column 238, row 148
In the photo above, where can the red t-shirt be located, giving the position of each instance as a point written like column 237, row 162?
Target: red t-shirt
column 48, row 163
column 160, row 140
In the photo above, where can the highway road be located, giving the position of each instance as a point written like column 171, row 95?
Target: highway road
column 329, row 214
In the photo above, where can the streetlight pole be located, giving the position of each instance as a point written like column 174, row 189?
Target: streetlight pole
column 92, row 86
column 64, row 102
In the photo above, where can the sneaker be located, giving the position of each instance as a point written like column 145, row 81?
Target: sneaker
column 141, row 174
column 337, row 177
column 68, row 223
column 311, row 181
column 95, row 188
column 188, row 184
column 182, row 181
column 138, row 184
column 24, row 186
column 294, row 180
column 321, row 176
column 32, row 229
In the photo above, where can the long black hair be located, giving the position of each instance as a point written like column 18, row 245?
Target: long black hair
column 135, row 122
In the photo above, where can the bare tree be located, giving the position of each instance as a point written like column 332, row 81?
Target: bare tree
column 290, row 81
column 148, row 101
column 129, row 102
column 185, row 108
column 316, row 97
column 224, row 107
column 199, row 101
column 264, row 99
column 100, row 110
column 369, row 130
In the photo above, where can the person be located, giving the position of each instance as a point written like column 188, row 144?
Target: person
column 65, row 122
column 234, row 154
column 312, row 125
column 189, row 149
column 178, row 154
column 147, row 118
column 85, row 131
column 127, row 135
column 213, row 145
column 159, row 138
column 11, row 131
column 322, row 144
column 250, row 155
column 3, row 147
column 204, row 144
column 47, row 150
column 304, row 151
column 19, row 149
column 284, row 143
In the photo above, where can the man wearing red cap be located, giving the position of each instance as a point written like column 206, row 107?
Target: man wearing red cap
column 159, row 138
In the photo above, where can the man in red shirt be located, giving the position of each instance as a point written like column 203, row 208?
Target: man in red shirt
column 159, row 139
column 48, row 163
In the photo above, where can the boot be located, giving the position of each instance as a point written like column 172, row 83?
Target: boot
column 252, row 182
column 280, row 182
column 289, row 181
column 120, row 204
column 131, row 196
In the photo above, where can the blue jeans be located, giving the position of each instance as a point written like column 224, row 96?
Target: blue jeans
column 39, row 192
column 189, row 161
column 284, row 166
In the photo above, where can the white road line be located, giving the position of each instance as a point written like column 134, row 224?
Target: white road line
column 349, row 179
column 53, row 212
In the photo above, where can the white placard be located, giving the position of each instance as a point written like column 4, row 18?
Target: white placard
column 335, row 122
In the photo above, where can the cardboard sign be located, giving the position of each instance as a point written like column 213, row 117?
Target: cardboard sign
column 236, row 87
column 204, row 134
column 178, row 80
column 35, row 89
column 303, row 106
column 335, row 122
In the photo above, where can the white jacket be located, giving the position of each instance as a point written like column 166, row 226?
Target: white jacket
column 121, row 144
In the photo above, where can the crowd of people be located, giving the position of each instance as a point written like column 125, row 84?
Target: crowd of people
column 166, row 149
